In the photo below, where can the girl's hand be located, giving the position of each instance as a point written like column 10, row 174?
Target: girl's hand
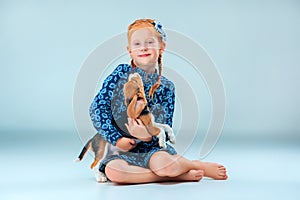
column 125, row 144
column 137, row 129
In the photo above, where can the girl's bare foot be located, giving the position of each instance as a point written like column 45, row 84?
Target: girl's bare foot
column 213, row 170
column 192, row 175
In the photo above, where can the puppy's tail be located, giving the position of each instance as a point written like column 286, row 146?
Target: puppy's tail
column 86, row 147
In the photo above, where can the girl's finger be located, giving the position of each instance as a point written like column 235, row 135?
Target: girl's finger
column 132, row 142
column 134, row 122
column 127, row 126
column 139, row 122
column 130, row 121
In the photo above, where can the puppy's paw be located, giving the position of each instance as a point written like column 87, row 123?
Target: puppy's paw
column 170, row 133
column 100, row 177
column 162, row 138
column 134, row 75
column 172, row 138
column 162, row 144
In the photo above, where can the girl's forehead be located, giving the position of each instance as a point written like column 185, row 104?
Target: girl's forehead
column 143, row 33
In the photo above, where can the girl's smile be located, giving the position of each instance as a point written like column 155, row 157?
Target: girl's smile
column 144, row 55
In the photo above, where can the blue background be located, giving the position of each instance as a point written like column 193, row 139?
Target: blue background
column 255, row 45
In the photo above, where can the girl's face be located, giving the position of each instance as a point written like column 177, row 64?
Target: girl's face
column 144, row 48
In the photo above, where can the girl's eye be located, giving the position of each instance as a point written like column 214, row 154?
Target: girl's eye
column 150, row 42
column 136, row 44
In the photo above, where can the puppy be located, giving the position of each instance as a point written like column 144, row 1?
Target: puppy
column 99, row 146
column 136, row 102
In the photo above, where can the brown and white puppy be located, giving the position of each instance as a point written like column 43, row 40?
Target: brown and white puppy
column 136, row 102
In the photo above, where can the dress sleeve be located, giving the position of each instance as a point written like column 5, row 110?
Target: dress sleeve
column 163, row 109
column 101, row 111
column 168, row 103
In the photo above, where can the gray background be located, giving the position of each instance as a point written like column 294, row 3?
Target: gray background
column 255, row 45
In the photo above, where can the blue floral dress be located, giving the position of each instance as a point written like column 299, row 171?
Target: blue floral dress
column 108, row 114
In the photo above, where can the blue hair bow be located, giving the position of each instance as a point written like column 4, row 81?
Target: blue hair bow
column 157, row 25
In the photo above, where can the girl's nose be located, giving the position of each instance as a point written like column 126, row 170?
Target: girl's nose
column 144, row 47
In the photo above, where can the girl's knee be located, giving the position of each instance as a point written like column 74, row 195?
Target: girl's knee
column 115, row 172
column 164, row 164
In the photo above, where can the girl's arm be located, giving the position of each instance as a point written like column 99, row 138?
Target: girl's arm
column 101, row 111
column 163, row 110
column 168, row 103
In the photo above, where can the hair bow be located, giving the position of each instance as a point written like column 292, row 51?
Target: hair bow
column 157, row 25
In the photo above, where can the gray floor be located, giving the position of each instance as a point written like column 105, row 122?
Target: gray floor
column 39, row 166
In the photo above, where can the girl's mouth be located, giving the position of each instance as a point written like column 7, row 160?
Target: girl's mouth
column 145, row 55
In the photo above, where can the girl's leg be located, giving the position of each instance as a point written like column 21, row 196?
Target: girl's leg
column 165, row 165
column 119, row 171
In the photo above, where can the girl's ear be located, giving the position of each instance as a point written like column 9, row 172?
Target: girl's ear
column 162, row 47
column 129, row 51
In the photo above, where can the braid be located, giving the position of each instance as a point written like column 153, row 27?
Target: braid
column 132, row 65
column 159, row 61
column 157, row 84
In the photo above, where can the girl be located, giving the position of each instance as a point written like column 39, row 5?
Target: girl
column 142, row 160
